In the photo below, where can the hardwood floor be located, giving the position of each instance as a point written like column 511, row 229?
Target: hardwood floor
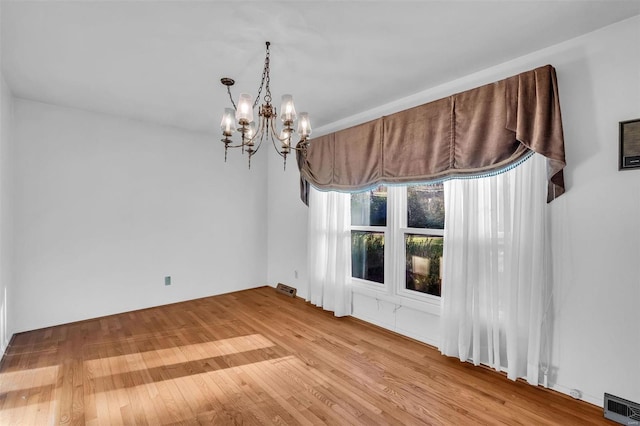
column 256, row 357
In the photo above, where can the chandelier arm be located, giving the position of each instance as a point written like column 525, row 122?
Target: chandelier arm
column 263, row 123
column 275, row 134
column 257, row 147
column 260, row 132
column 301, row 149
column 280, row 139
column 276, row 147
column 248, row 141
column 235, row 146
column 270, row 134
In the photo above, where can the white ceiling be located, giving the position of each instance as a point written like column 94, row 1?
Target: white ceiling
column 162, row 61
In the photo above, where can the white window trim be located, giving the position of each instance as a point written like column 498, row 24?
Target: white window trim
column 393, row 290
column 366, row 289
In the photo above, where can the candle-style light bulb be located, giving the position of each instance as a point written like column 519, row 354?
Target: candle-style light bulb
column 251, row 130
column 304, row 126
column 244, row 113
column 285, row 138
column 228, row 122
column 287, row 109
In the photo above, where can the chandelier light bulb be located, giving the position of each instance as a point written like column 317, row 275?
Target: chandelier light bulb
column 244, row 114
column 251, row 130
column 228, row 122
column 304, row 126
column 285, row 137
column 287, row 109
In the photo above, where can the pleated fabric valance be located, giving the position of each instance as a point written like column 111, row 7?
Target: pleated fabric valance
column 472, row 133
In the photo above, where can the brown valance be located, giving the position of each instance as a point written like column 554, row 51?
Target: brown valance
column 472, row 133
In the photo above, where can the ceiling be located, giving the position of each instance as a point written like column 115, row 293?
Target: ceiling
column 162, row 61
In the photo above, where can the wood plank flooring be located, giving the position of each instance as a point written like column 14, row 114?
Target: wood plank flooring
column 256, row 357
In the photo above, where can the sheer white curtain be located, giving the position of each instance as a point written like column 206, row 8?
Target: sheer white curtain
column 495, row 275
column 329, row 251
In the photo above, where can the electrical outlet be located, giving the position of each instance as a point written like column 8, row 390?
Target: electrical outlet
column 167, row 280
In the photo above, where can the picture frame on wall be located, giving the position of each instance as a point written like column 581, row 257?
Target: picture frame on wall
column 629, row 145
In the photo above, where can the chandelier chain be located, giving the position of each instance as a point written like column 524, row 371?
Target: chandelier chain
column 265, row 77
column 267, row 95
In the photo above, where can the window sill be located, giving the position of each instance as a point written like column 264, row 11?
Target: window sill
column 428, row 306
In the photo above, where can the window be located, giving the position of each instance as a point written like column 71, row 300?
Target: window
column 423, row 238
column 368, row 229
column 396, row 239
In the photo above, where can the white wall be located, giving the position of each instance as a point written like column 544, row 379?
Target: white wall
column 7, row 286
column 596, row 332
column 287, row 224
column 596, row 228
column 106, row 207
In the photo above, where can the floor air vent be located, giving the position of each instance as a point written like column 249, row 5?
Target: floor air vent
column 285, row 289
column 620, row 410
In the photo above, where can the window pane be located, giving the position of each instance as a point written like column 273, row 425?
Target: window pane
column 367, row 255
column 370, row 207
column 425, row 206
column 423, row 262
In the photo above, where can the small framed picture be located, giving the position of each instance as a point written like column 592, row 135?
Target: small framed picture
column 629, row 144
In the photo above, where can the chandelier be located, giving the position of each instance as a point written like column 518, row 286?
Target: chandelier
column 240, row 119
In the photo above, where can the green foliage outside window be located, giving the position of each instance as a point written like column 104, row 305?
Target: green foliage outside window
column 369, row 208
column 425, row 206
column 423, row 263
column 423, row 253
column 367, row 255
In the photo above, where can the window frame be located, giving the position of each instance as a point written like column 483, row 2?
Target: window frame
column 385, row 231
column 395, row 253
column 377, row 229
